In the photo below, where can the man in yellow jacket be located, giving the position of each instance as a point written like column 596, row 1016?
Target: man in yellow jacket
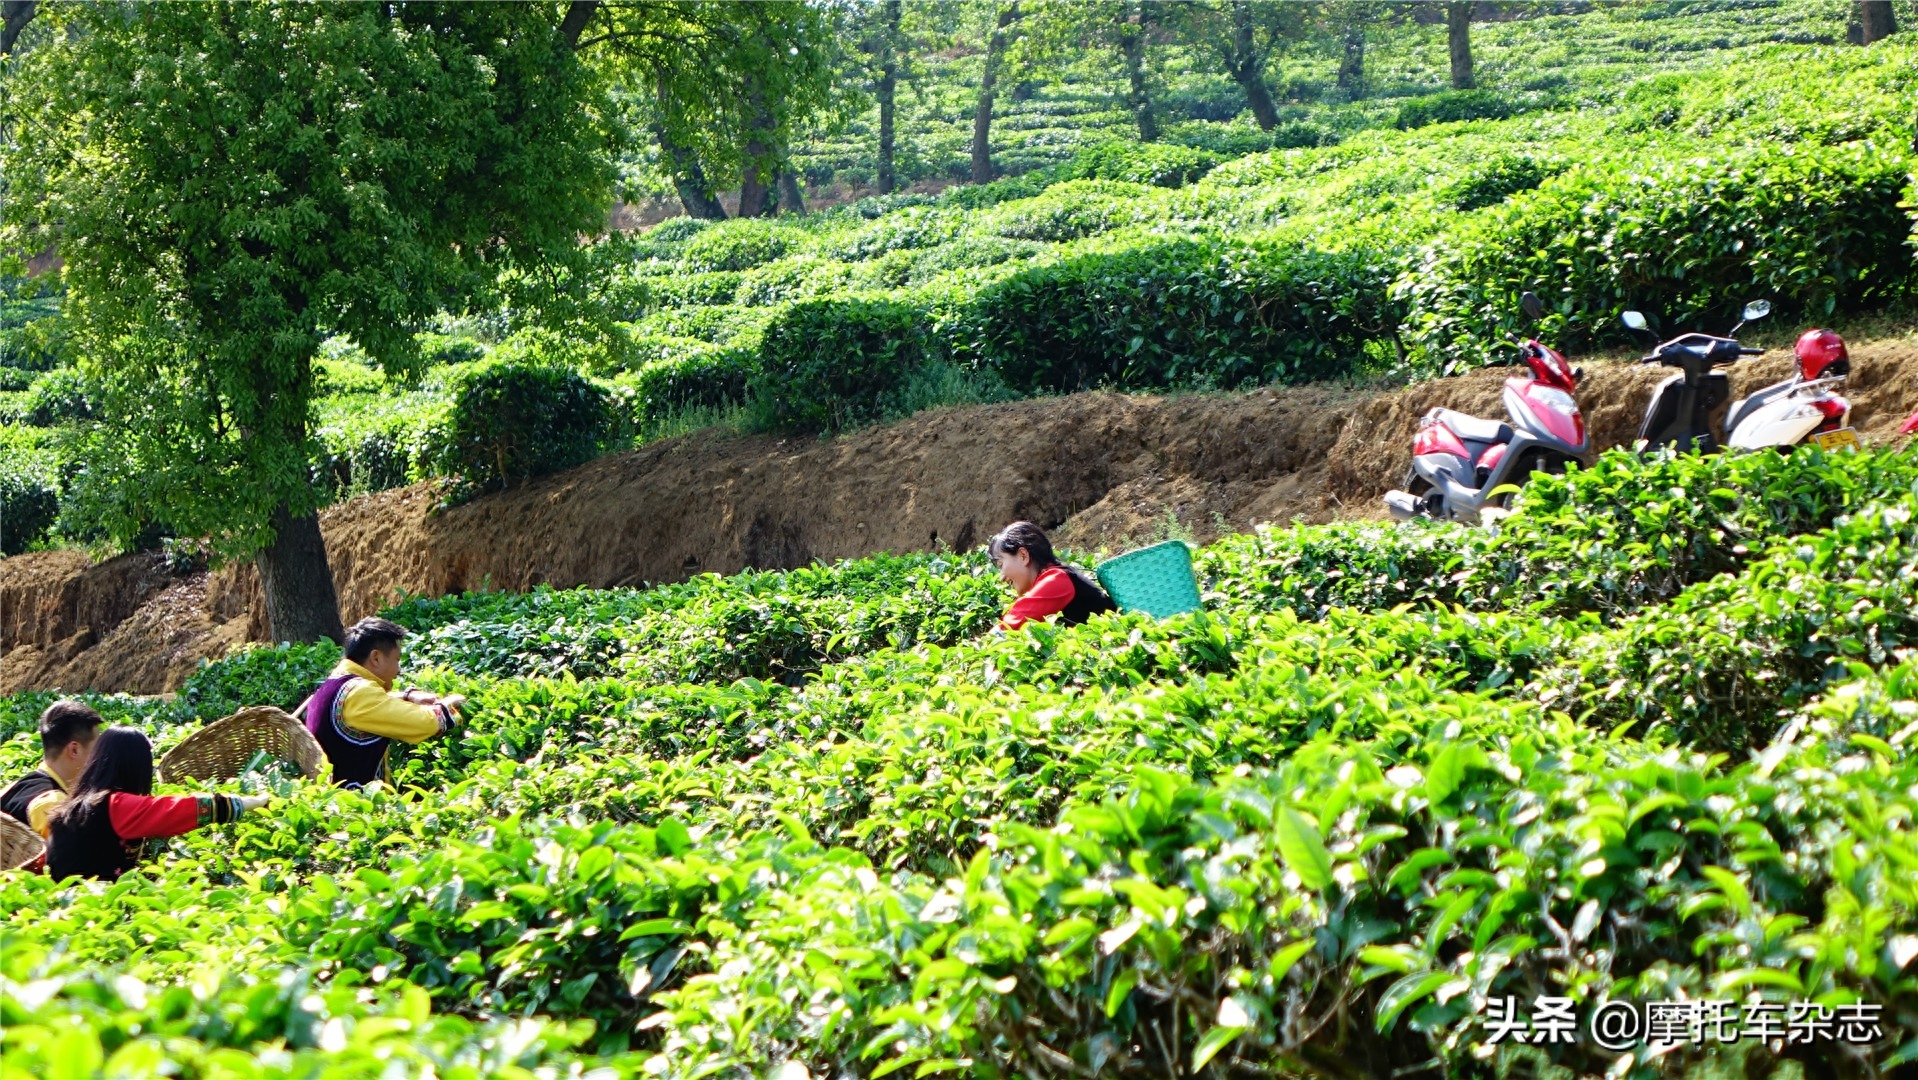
column 355, row 715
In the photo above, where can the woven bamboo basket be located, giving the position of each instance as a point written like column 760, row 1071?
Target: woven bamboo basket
column 220, row 750
column 19, row 845
column 1157, row 580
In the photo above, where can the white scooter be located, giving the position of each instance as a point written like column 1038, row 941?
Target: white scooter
column 1802, row 407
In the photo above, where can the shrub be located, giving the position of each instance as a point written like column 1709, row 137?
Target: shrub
column 1453, row 105
column 29, row 502
column 739, row 245
column 1299, row 134
column 1498, row 178
column 56, row 397
column 1181, row 312
column 375, row 443
column 981, row 196
column 689, row 374
column 510, row 422
column 1066, row 211
column 828, row 365
column 796, row 277
column 677, row 230
column 1689, row 238
column 1140, row 163
column 693, row 290
column 262, row 675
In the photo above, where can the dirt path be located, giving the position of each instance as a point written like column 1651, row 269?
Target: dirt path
column 1105, row 470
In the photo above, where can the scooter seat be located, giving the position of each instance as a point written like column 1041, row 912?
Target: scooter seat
column 1472, row 429
column 1758, row 400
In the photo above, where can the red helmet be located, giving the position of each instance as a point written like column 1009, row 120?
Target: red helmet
column 1821, row 354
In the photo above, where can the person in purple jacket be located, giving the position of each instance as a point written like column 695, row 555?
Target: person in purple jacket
column 355, row 715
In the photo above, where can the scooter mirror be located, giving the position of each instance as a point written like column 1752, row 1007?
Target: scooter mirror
column 1634, row 320
column 1757, row 309
column 1530, row 304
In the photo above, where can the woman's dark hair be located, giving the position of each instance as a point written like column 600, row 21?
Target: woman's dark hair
column 121, row 760
column 1027, row 537
column 369, row 634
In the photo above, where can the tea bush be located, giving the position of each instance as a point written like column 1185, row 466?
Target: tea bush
column 1691, row 239
column 511, row 422
column 828, row 365
column 1139, row 163
column 29, row 501
column 273, row 676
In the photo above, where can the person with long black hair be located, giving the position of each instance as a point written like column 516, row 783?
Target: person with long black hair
column 1046, row 586
column 101, row 830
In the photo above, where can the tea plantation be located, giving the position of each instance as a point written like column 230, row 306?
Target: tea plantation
column 1647, row 740
column 1680, row 158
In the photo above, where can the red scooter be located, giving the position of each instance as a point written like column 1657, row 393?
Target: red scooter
column 1459, row 460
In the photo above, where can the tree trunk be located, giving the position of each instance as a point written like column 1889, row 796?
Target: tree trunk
column 1247, row 67
column 1458, row 26
column 756, row 197
column 888, row 82
column 301, row 604
column 695, row 191
column 1876, row 21
column 14, row 17
column 1352, row 67
column 788, row 186
column 1132, row 28
column 982, row 115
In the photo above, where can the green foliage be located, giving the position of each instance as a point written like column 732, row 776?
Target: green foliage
column 511, row 422
column 1139, row 163
column 828, row 365
column 29, row 501
column 1451, row 106
column 281, row 676
column 686, row 373
column 1812, row 231
column 375, row 164
column 739, row 244
column 1178, row 313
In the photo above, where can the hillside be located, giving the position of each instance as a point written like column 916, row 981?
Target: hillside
column 1105, row 470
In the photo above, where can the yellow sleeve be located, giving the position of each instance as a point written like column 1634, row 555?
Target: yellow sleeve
column 38, row 809
column 376, row 712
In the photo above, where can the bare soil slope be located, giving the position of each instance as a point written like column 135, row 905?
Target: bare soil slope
column 1105, row 470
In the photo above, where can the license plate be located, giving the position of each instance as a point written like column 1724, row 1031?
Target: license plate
column 1843, row 439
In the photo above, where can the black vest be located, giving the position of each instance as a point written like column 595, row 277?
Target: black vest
column 1088, row 599
column 21, row 793
column 81, row 842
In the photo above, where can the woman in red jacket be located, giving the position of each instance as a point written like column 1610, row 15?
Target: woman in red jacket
column 1046, row 586
column 101, row 830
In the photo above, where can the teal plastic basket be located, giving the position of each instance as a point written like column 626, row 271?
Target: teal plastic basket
column 1157, row 580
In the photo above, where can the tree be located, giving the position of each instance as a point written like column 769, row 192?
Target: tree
column 231, row 184
column 1875, row 21
column 884, row 45
column 1458, row 34
column 1243, row 33
column 1058, row 29
column 724, row 88
column 1006, row 15
column 1134, row 22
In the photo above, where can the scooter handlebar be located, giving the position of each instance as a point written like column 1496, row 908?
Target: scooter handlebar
column 1750, row 352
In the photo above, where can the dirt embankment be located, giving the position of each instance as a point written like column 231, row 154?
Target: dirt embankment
column 1104, row 470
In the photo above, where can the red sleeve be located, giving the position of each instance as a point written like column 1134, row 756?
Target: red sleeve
column 136, row 817
column 1048, row 596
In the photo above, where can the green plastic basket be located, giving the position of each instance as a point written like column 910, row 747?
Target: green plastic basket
column 1157, row 580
